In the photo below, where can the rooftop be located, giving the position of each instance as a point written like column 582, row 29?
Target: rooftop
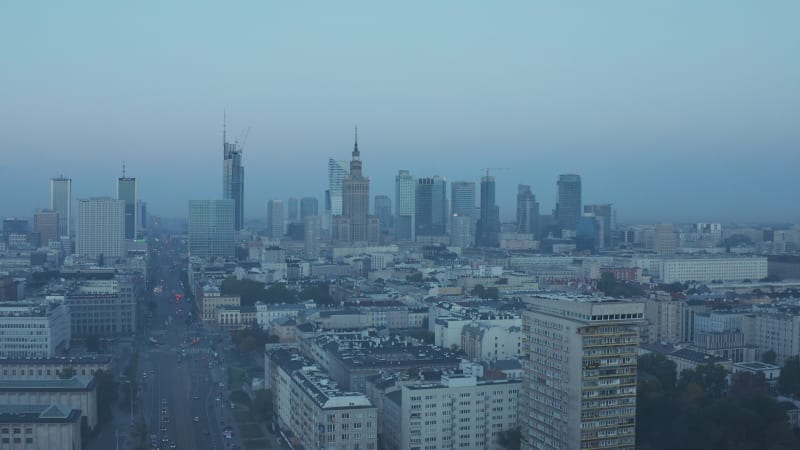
column 38, row 414
column 76, row 383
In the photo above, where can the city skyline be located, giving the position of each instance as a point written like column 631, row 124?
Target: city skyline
column 651, row 124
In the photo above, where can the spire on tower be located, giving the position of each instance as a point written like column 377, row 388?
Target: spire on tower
column 356, row 153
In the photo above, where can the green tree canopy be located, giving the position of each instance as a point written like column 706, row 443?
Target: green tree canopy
column 789, row 381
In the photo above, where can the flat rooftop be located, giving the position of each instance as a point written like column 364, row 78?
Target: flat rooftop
column 38, row 414
column 76, row 383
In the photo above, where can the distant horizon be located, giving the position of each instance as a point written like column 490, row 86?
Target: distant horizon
column 696, row 125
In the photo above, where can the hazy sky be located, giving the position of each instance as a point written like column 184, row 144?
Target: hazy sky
column 672, row 110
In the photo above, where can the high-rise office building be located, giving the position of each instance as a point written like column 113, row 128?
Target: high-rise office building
column 275, row 223
column 568, row 205
column 293, row 209
column 127, row 191
column 488, row 234
column 405, row 208
column 355, row 204
column 665, row 240
column 141, row 214
column 45, row 222
column 431, row 206
column 462, row 198
column 606, row 219
column 309, row 206
column 61, row 202
column 337, row 170
column 383, row 209
column 311, row 230
column 233, row 178
column 212, row 227
column 461, row 231
column 101, row 228
column 579, row 388
column 527, row 211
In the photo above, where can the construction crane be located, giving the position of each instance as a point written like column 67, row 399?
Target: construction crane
column 240, row 142
column 487, row 169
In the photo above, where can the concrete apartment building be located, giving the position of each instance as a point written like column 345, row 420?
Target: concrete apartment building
column 40, row 427
column 776, row 331
column 457, row 412
column 31, row 330
column 580, row 373
column 79, row 393
column 318, row 414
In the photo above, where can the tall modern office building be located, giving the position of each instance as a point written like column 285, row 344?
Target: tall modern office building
column 101, row 228
column 431, row 206
column 45, row 222
column 141, row 215
column 579, row 385
column 311, row 230
column 309, row 206
column 293, row 209
column 383, row 209
column 212, row 227
column 354, row 223
column 127, row 191
column 462, row 198
column 275, row 222
column 405, row 208
column 337, row 170
column 61, row 202
column 606, row 219
column 568, row 204
column 527, row 211
column 233, row 178
column 488, row 234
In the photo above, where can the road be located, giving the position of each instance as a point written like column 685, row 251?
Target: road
column 179, row 392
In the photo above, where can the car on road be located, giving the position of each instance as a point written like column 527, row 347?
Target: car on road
column 165, row 439
column 195, row 397
column 196, row 419
column 164, row 428
column 173, row 445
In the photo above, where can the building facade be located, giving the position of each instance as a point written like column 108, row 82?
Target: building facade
column 431, row 206
column 61, row 202
column 40, row 427
column 102, row 308
column 488, row 228
column 275, row 221
column 233, row 179
column 568, row 204
column 580, row 373
column 527, row 211
column 30, row 330
column 101, row 228
column 212, row 228
column 405, row 208
column 128, row 192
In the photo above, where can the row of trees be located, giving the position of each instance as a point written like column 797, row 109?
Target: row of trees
column 698, row 410
column 252, row 291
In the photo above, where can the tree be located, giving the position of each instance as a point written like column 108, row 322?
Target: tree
column 67, row 373
column 769, row 357
column 492, row 293
column 478, row 291
column 319, row 292
column 789, row 381
column 249, row 291
column 415, row 277
column 710, row 378
column 748, row 385
column 93, row 344
column 663, row 369
column 279, row 293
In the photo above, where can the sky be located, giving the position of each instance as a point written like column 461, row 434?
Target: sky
column 672, row 111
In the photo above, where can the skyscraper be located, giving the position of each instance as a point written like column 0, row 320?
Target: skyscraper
column 488, row 234
column 141, row 214
column 311, row 229
column 61, row 202
column 233, row 178
column 275, row 225
column 405, row 208
column 293, row 208
column 431, row 206
column 127, row 191
column 527, row 211
column 606, row 219
column 579, row 388
column 462, row 198
column 45, row 222
column 383, row 209
column 101, row 228
column 337, row 170
column 212, row 228
column 309, row 206
column 355, row 203
column 568, row 205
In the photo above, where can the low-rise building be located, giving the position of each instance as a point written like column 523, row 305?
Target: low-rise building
column 211, row 300
column 771, row 372
column 79, row 393
column 50, row 368
column 33, row 330
column 458, row 412
column 40, row 427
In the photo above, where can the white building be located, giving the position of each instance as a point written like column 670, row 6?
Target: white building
column 711, row 269
column 266, row 314
column 482, row 342
column 317, row 413
column 101, row 228
column 39, row 427
column 29, row 330
column 776, row 331
column 459, row 412
column 447, row 330
column 580, row 374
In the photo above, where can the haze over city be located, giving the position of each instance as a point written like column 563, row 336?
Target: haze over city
column 673, row 112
